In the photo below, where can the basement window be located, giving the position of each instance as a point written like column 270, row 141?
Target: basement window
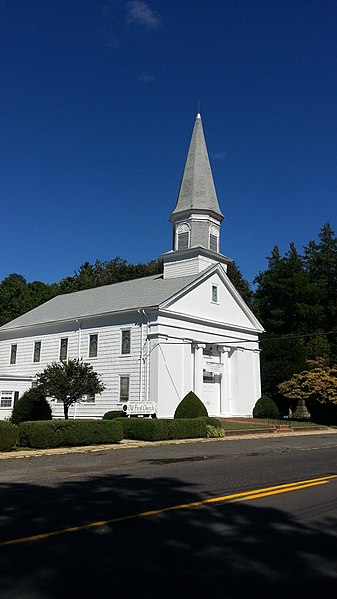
column 6, row 399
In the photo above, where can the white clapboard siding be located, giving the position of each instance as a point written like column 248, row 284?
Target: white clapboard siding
column 110, row 364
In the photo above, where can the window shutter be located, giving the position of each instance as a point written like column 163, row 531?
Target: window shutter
column 183, row 240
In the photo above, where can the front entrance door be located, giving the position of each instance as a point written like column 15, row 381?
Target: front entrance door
column 211, row 392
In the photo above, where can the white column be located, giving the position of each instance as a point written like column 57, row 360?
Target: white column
column 224, row 382
column 198, row 368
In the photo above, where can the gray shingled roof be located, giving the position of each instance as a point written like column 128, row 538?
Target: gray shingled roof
column 128, row 295
column 197, row 188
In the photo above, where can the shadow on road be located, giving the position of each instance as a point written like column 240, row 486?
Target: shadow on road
column 224, row 550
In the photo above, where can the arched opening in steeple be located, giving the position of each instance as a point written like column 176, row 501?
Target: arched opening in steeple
column 183, row 236
column 214, row 238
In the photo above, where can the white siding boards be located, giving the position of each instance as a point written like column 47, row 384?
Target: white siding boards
column 151, row 340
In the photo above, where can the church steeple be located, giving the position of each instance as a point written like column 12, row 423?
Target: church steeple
column 197, row 190
column 196, row 217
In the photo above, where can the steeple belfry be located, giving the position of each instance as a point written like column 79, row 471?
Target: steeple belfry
column 197, row 217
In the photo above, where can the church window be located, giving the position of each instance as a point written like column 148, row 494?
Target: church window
column 14, row 349
column 126, row 342
column 93, row 346
column 124, row 384
column 214, row 293
column 63, row 349
column 207, row 377
column 88, row 399
column 37, row 351
column 183, row 236
column 214, row 239
column 6, row 399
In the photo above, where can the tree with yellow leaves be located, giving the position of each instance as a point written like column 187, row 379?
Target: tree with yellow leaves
column 318, row 382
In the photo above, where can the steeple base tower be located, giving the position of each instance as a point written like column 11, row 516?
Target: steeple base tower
column 191, row 261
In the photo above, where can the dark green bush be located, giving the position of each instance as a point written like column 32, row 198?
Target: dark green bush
column 8, row 435
column 112, row 415
column 265, row 407
column 31, row 406
column 156, row 429
column 190, row 407
column 69, row 433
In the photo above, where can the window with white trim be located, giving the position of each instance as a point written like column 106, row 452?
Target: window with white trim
column 37, row 351
column 14, row 350
column 88, row 399
column 182, row 236
column 214, row 238
column 93, row 346
column 63, row 349
column 215, row 293
column 6, row 399
column 207, row 377
column 124, row 385
column 126, row 341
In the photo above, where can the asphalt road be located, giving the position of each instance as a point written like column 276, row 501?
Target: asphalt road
column 254, row 527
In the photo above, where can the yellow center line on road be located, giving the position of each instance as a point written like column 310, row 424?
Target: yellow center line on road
column 233, row 498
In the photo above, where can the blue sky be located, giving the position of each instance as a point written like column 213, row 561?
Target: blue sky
column 98, row 101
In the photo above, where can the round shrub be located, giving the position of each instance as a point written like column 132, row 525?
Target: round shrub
column 31, row 406
column 111, row 415
column 8, row 435
column 190, row 407
column 265, row 407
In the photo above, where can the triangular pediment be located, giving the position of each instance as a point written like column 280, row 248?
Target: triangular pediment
column 197, row 301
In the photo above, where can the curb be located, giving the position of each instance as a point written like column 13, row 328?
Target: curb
column 129, row 444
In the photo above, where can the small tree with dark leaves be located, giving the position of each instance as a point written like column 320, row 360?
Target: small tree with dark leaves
column 69, row 382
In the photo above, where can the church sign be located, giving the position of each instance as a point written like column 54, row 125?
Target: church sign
column 140, row 407
column 214, row 367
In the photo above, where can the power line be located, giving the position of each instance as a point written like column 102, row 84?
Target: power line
column 301, row 335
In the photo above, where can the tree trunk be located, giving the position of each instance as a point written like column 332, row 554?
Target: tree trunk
column 65, row 409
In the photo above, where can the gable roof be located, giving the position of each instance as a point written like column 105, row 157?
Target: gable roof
column 118, row 297
column 197, row 189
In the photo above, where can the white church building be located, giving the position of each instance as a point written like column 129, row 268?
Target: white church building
column 151, row 340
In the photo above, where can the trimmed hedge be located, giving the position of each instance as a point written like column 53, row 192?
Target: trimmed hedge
column 32, row 405
column 111, row 415
column 8, row 435
column 190, row 407
column 156, row 429
column 69, row 433
column 265, row 407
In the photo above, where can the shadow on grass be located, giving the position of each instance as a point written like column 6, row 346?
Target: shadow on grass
column 224, row 550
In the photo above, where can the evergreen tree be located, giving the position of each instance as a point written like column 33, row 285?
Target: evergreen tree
column 240, row 284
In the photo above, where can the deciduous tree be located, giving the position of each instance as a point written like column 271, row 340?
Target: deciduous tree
column 69, row 382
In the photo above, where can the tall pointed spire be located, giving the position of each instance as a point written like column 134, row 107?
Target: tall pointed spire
column 197, row 190
column 197, row 217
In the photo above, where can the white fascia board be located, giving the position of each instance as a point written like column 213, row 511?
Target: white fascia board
column 213, row 323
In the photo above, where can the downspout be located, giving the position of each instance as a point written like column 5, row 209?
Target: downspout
column 78, row 352
column 141, row 356
column 147, row 371
column 79, row 338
